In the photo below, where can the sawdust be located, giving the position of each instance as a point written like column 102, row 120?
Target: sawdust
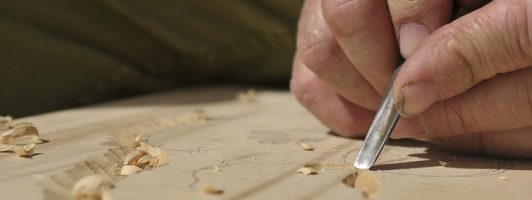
column 19, row 138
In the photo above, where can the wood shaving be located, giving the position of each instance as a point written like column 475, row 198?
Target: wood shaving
column 136, row 141
column 19, row 150
column 129, row 170
column 92, row 187
column 307, row 171
column 143, row 157
column 98, row 173
column 19, row 138
column 363, row 181
column 211, row 190
column 4, row 122
column 306, row 146
column 443, row 163
column 504, row 178
column 23, row 151
column 20, row 132
column 248, row 96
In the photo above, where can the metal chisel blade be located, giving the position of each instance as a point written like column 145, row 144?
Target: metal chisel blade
column 379, row 131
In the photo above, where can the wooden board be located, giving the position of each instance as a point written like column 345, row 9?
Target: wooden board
column 250, row 151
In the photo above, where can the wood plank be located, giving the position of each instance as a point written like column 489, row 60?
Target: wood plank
column 255, row 147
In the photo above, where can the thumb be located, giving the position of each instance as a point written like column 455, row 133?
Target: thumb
column 494, row 39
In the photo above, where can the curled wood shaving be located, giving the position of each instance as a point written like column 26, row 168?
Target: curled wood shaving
column 129, row 170
column 19, row 138
column 19, row 150
column 4, row 122
column 211, row 190
column 133, row 157
column 306, row 146
column 19, row 132
column 143, row 157
column 136, row 141
column 92, row 187
column 307, row 171
column 26, row 150
column 248, row 96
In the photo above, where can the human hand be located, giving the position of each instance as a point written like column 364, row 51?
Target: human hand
column 475, row 92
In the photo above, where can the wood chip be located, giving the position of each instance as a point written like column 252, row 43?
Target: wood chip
column 365, row 182
column 307, row 171
column 306, row 146
column 211, row 190
column 93, row 187
column 443, row 163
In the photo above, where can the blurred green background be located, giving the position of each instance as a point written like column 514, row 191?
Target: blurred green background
column 56, row 54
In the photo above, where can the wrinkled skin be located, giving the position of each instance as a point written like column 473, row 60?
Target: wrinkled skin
column 466, row 83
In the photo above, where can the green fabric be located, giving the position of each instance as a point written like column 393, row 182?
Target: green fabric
column 56, row 54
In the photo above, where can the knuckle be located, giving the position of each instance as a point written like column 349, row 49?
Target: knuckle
column 466, row 54
column 515, row 37
column 319, row 56
column 342, row 15
column 525, row 41
column 299, row 87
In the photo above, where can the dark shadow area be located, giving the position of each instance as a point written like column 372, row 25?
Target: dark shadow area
column 436, row 156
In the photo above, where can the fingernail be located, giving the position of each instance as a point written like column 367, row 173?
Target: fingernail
column 410, row 35
column 415, row 98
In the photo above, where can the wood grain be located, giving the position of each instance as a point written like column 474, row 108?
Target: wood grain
column 250, row 151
